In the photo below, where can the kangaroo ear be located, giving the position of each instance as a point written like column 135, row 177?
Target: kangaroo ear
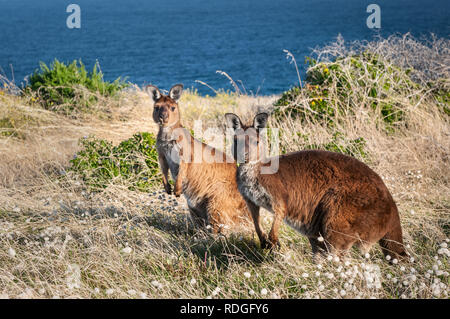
column 153, row 91
column 233, row 121
column 175, row 92
column 260, row 121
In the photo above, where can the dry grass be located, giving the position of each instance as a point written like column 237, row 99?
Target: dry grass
column 59, row 241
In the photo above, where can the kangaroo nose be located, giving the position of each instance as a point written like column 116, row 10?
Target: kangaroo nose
column 163, row 115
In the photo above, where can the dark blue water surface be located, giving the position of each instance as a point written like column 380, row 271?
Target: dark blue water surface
column 169, row 41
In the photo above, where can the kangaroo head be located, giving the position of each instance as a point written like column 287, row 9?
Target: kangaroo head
column 247, row 146
column 165, row 111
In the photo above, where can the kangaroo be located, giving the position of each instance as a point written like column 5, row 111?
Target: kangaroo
column 333, row 199
column 209, row 182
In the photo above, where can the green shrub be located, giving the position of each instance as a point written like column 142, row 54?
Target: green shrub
column 133, row 162
column 70, row 87
column 319, row 109
column 335, row 87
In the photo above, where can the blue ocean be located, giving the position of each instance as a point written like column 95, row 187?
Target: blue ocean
column 164, row 42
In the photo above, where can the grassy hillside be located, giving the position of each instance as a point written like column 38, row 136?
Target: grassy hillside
column 385, row 102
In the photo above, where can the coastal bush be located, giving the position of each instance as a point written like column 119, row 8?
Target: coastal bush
column 133, row 162
column 334, row 87
column 386, row 77
column 69, row 88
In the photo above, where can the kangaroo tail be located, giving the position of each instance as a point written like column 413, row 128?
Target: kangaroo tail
column 392, row 242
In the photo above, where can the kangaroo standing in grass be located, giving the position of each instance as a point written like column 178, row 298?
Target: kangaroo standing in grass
column 333, row 199
column 206, row 176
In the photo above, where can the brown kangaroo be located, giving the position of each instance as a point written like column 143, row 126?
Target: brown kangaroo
column 333, row 199
column 206, row 176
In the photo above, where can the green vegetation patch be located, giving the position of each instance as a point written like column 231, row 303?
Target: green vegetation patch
column 133, row 162
column 334, row 88
column 71, row 87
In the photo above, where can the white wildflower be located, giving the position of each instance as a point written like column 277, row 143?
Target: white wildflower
column 274, row 296
column 157, row 284
column 109, row 291
column 73, row 276
column 143, row 295
column 127, row 250
column 216, row 291
column 11, row 252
